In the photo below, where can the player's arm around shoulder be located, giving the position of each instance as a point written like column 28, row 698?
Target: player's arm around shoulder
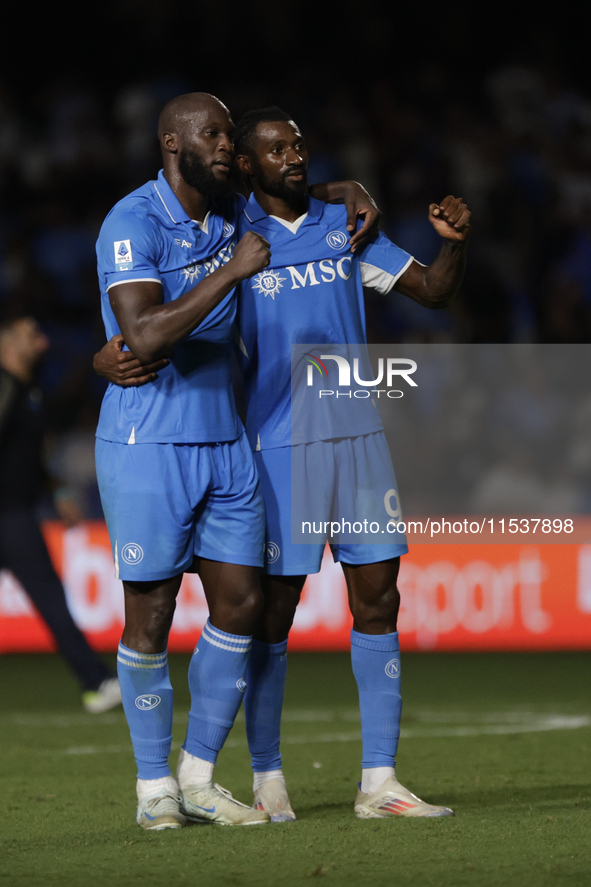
column 435, row 285
column 359, row 205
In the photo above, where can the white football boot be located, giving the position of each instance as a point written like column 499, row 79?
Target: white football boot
column 392, row 799
column 107, row 696
column 159, row 811
column 212, row 803
column 272, row 797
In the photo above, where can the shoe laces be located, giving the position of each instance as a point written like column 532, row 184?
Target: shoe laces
column 227, row 794
column 223, row 791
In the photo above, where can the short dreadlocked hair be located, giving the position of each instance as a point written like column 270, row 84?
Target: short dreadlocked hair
column 244, row 134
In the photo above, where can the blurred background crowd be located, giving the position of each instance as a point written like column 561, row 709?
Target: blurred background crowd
column 470, row 106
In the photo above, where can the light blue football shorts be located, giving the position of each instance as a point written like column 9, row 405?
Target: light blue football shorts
column 166, row 503
column 324, row 480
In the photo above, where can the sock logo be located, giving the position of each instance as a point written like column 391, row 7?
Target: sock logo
column 145, row 703
column 241, row 684
column 393, row 668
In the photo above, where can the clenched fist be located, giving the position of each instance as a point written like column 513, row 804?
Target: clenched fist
column 451, row 218
column 252, row 254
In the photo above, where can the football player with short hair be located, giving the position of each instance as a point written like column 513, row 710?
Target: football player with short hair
column 177, row 479
column 317, row 297
column 177, row 483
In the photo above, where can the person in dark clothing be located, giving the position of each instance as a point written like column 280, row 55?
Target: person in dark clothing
column 23, row 478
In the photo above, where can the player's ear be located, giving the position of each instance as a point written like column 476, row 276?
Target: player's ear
column 168, row 140
column 243, row 163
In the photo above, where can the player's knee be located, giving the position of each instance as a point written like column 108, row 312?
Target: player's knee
column 237, row 610
column 285, row 612
column 378, row 609
column 274, row 626
column 281, row 600
column 147, row 631
column 250, row 602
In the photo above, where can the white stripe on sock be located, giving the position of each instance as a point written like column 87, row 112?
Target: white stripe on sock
column 224, row 636
column 133, row 654
column 225, row 646
column 147, row 665
column 133, row 659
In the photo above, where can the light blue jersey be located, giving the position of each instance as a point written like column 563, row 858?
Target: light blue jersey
column 311, row 292
column 148, row 236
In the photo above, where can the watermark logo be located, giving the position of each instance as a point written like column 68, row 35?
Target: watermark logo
column 393, row 668
column 146, row 703
column 132, row 553
column 389, row 371
column 314, row 361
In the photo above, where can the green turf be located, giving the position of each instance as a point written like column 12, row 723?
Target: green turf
column 504, row 739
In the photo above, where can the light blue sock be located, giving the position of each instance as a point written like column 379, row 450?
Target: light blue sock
column 263, row 701
column 147, row 701
column 376, row 666
column 217, row 684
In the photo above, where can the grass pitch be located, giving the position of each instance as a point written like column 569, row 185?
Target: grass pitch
column 504, row 739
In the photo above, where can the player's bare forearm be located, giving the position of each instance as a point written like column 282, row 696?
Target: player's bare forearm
column 435, row 285
column 358, row 203
column 151, row 328
column 331, row 192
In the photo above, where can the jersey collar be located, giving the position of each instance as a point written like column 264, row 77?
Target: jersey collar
column 255, row 213
column 169, row 200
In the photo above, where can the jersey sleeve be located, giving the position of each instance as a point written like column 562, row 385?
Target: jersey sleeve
column 128, row 248
column 382, row 263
